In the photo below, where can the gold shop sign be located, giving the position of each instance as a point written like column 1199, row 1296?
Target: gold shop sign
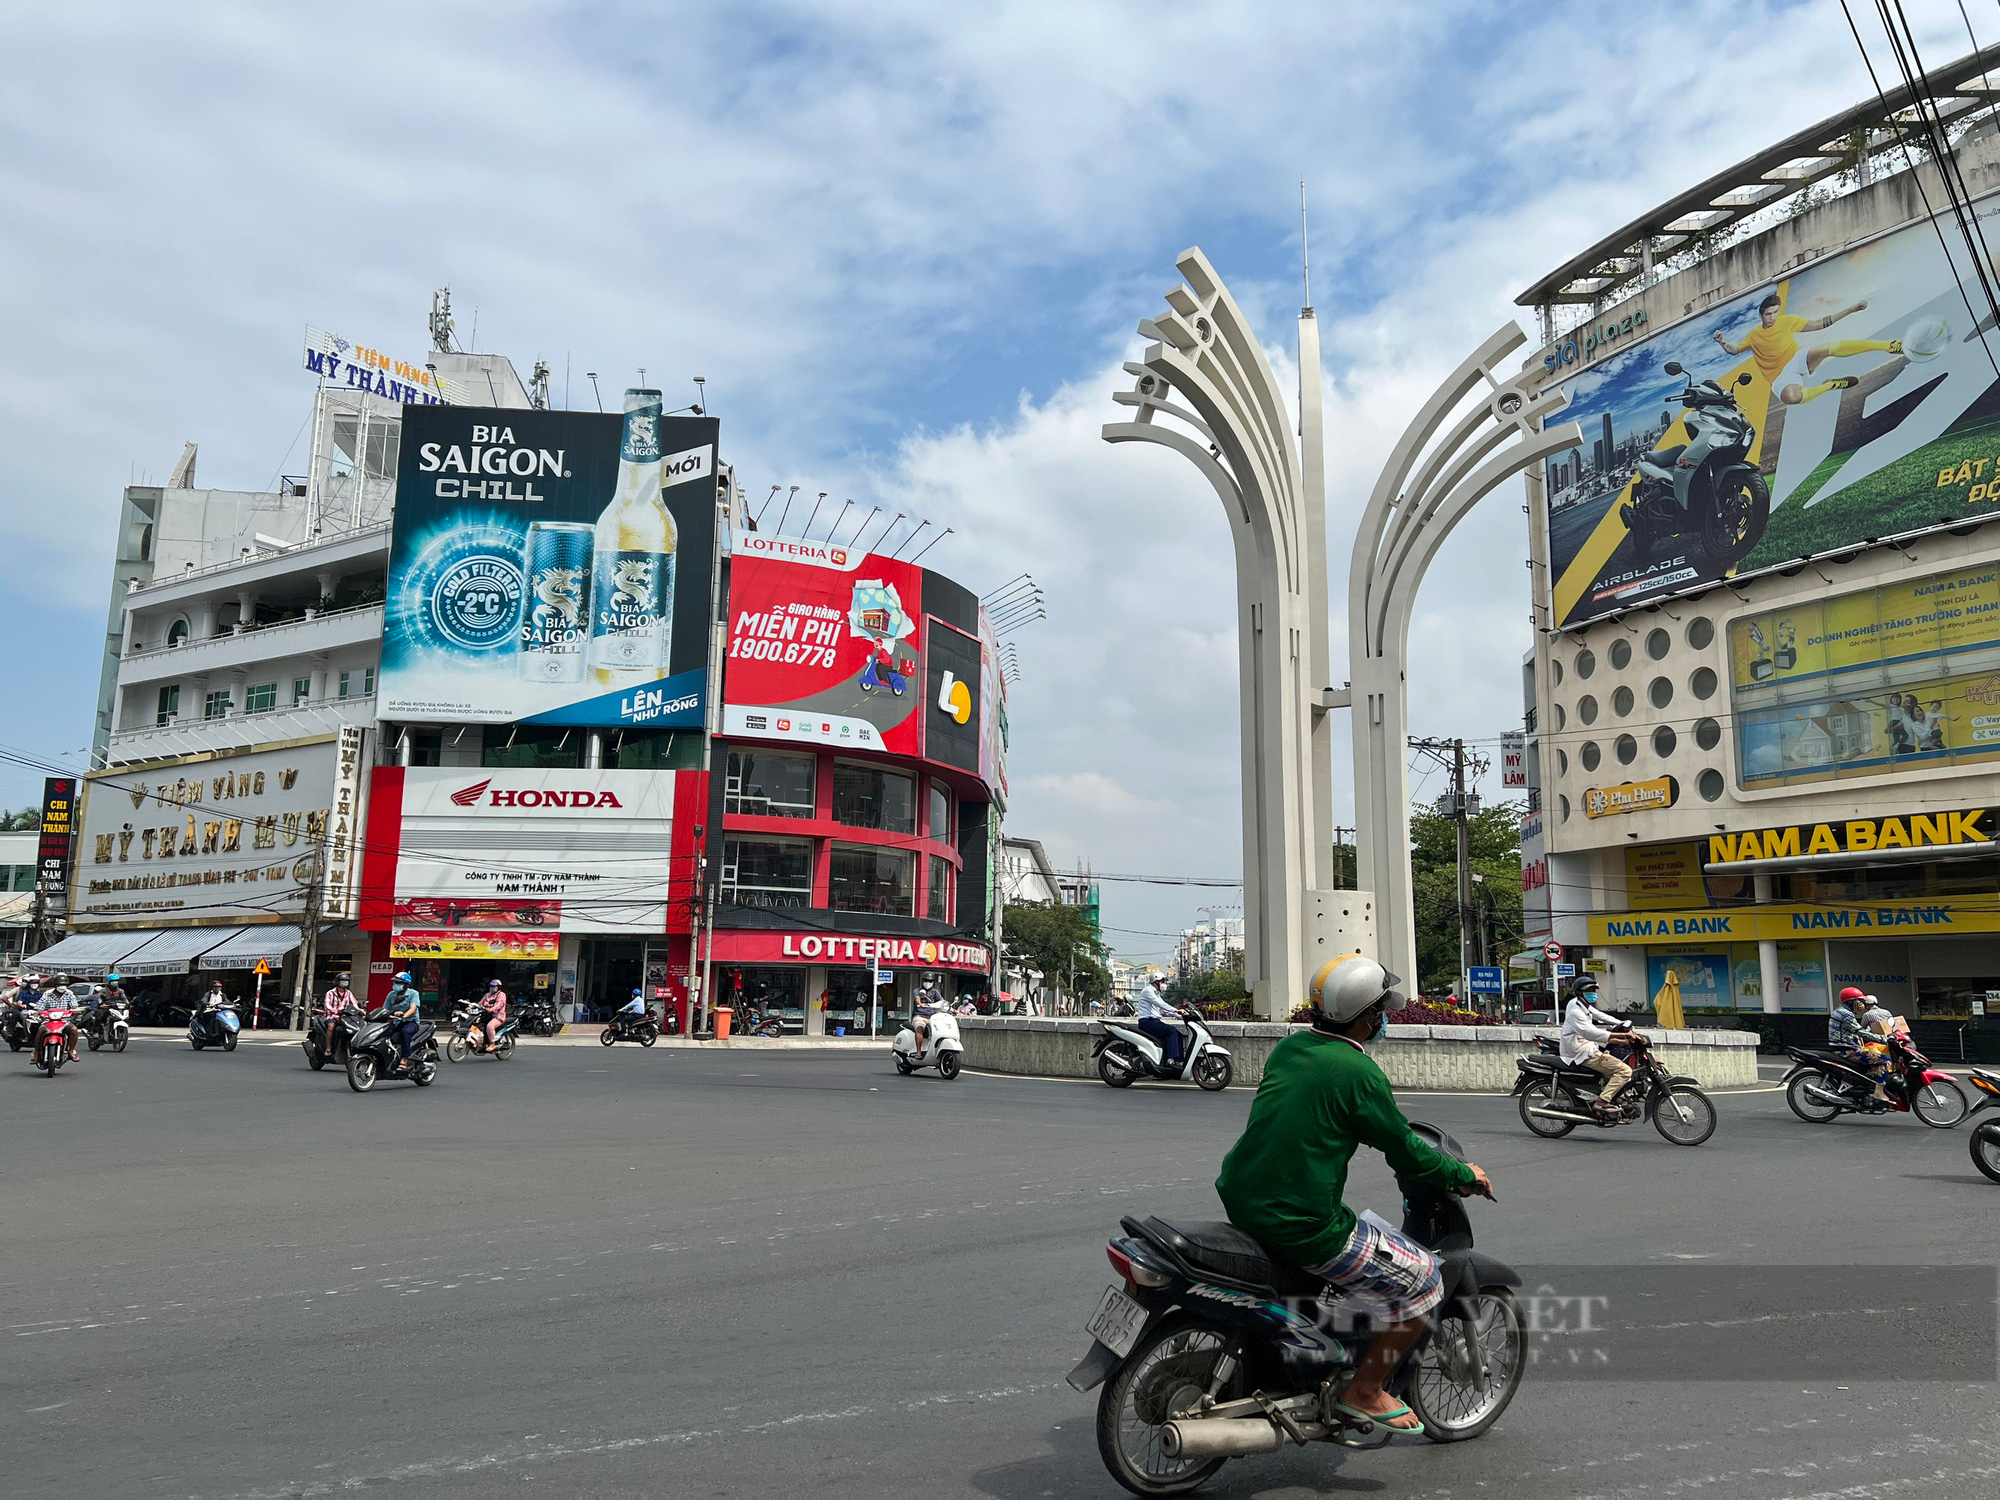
column 1631, row 797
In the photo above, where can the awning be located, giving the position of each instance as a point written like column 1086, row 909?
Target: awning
column 250, row 944
column 169, row 952
column 88, row 955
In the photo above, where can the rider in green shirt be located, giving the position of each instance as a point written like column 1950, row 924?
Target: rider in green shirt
column 1322, row 1096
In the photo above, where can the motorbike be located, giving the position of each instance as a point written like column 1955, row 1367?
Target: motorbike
column 628, row 1026
column 943, row 1051
column 1706, row 489
column 1556, row 1097
column 54, row 1037
column 328, row 1037
column 1824, row 1084
column 460, row 1044
column 1985, row 1141
column 17, row 1023
column 371, row 1054
column 105, row 1025
column 1210, row 1347
column 880, row 674
column 214, row 1024
column 540, row 1018
column 1125, row 1053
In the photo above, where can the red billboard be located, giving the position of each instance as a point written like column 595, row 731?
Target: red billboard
column 824, row 646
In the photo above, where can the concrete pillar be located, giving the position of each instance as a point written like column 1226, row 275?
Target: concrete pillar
column 329, row 585
column 318, row 683
column 1767, row 954
column 593, row 751
column 201, row 625
column 246, row 608
column 815, row 1017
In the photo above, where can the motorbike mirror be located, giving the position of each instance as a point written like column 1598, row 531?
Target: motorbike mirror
column 1674, row 367
column 1744, row 378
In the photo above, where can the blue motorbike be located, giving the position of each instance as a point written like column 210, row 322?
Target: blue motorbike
column 214, row 1024
column 874, row 677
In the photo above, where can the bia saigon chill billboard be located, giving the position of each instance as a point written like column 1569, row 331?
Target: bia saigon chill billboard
column 1855, row 398
column 551, row 567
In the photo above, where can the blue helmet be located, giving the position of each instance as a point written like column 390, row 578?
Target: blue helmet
column 404, row 978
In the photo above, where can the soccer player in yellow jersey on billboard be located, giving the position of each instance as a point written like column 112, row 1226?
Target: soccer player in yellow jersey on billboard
column 1773, row 342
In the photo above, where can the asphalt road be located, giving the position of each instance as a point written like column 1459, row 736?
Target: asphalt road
column 685, row 1272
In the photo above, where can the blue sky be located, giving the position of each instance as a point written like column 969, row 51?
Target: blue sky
column 907, row 245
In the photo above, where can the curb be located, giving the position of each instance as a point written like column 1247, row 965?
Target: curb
column 576, row 1037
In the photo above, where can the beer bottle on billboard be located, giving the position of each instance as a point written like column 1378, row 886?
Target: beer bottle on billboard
column 632, row 588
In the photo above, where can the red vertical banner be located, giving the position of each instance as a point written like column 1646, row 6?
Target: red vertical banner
column 377, row 906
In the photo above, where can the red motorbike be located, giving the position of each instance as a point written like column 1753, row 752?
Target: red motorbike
column 1825, row 1084
column 54, row 1040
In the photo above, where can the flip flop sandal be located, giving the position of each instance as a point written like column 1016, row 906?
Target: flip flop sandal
column 1382, row 1419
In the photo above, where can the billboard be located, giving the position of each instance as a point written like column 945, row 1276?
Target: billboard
column 1853, row 399
column 825, row 648
column 52, row 849
column 551, row 567
column 953, row 688
column 1869, row 682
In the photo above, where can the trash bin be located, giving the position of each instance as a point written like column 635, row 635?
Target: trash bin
column 723, row 1016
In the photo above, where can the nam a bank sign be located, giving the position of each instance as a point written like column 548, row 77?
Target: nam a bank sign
column 1834, row 919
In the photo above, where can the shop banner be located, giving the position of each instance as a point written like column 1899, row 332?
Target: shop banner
column 1537, row 916
column 1664, row 877
column 233, row 835
column 551, row 567
column 356, row 367
column 341, row 884
column 1832, row 919
column 515, row 947
column 1942, row 830
column 52, row 849
column 1801, row 978
column 1703, row 978
column 1860, row 396
column 841, row 950
column 1513, row 758
column 1631, row 797
column 824, row 646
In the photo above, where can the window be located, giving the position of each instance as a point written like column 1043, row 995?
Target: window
column 1621, row 702
column 1701, row 630
column 1585, row 663
column 260, row 699
column 1708, row 734
column 367, row 682
column 869, row 797
column 24, row 877
column 767, row 872
column 1664, row 740
column 654, row 750
column 523, row 748
column 1702, row 684
column 302, row 689
column 426, row 746
column 865, row 878
column 764, row 785
column 170, row 705
column 1658, row 644
column 1586, row 710
column 1590, row 755
column 1709, row 783
column 1660, row 693
column 177, row 632
column 938, row 908
column 1627, row 748
column 215, row 706
column 345, row 690
column 940, row 812
column 1620, row 654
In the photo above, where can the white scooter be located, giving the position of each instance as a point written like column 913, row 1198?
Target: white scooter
column 1125, row 1053
column 941, row 1051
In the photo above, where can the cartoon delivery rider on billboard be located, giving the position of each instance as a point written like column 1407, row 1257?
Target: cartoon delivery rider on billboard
column 876, row 615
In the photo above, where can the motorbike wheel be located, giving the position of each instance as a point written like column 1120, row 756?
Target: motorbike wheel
column 648, row 1035
column 947, row 1065
column 1212, row 1071
column 1541, row 1094
column 559, row 1028
column 607, row 1036
column 229, row 1041
column 456, row 1049
column 1985, row 1147
column 195, row 1044
column 504, row 1048
column 904, row 1066
column 95, row 1041
column 1804, row 1105
column 1939, row 1105
column 361, row 1071
column 1444, row 1391
column 119, row 1039
column 1698, row 1108
column 424, row 1071
column 1171, row 1367
column 51, row 1064
column 315, row 1059
column 1116, row 1069
column 1735, row 519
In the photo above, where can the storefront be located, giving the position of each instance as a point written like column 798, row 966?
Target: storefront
column 812, row 982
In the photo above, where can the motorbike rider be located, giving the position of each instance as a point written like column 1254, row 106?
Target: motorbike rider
column 400, row 1008
column 341, row 997
column 1843, row 1026
column 1322, row 1096
column 59, row 996
column 929, row 1000
column 1157, row 1015
column 1585, row 1030
column 1876, row 1021
column 632, row 1010
column 494, row 1007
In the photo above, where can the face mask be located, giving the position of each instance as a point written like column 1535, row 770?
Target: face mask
column 1381, row 1025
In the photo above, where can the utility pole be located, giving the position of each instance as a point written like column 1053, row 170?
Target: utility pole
column 1451, row 756
column 1342, row 853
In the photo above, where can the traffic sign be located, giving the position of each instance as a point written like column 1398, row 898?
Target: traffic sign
column 1565, row 971
column 885, row 976
column 1553, row 952
column 1485, row 981
column 263, row 966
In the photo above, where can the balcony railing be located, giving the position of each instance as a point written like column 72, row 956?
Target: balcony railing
column 186, row 736
column 262, row 633
column 1528, row 721
column 296, row 550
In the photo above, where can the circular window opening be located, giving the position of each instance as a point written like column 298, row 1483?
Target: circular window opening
column 1627, row 748
column 1660, row 693
column 1562, row 763
column 1561, row 717
column 1585, row 663
column 1709, row 783
column 1702, row 684
column 1556, row 667
column 1664, row 740
column 1620, row 654
column 1586, row 709
column 1621, row 702
column 1701, row 632
column 1658, row 644
column 1563, row 808
column 1589, row 755
column 177, row 632
column 1708, row 734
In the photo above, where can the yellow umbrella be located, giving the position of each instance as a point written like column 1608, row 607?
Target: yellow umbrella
column 1668, row 1002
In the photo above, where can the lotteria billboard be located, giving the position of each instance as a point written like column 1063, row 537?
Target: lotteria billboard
column 551, row 567
column 1868, row 407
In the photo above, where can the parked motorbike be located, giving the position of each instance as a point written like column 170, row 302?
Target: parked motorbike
column 751, row 1021
column 1213, row 1348
column 17, row 1023
column 1824, row 1084
column 54, row 1039
column 1985, row 1142
column 105, row 1025
column 464, row 1042
column 328, row 1037
column 1556, row 1097
column 214, row 1024
column 1705, row 489
column 540, row 1018
column 942, row 1051
column 1125, row 1053
column 371, row 1054
column 626, row 1026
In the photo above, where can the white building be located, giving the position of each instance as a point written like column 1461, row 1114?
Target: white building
column 17, row 894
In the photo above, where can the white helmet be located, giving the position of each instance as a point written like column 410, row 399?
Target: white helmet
column 1346, row 986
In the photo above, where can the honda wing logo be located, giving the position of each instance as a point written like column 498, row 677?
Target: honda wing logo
column 469, row 797
column 531, row 797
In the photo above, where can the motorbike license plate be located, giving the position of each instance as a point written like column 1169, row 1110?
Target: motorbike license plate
column 1117, row 1323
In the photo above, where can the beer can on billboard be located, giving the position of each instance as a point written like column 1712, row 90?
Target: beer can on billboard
column 555, row 625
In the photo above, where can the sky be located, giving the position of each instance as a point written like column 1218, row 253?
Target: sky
column 906, row 245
